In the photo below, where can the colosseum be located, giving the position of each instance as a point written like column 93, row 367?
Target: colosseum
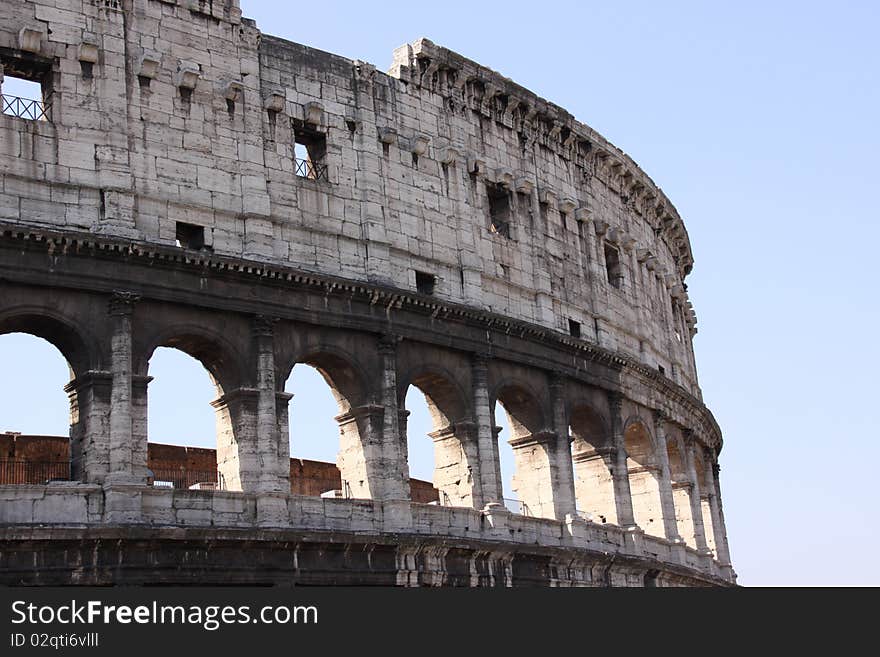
column 184, row 180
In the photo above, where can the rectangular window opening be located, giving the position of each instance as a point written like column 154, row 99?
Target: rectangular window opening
column 574, row 328
column 499, row 209
column 612, row 265
column 425, row 282
column 24, row 96
column 309, row 152
column 190, row 236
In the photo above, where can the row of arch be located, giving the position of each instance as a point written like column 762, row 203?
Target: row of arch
column 577, row 449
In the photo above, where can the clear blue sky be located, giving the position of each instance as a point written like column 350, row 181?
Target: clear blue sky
column 760, row 121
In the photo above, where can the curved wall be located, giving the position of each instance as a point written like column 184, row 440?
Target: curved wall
column 257, row 204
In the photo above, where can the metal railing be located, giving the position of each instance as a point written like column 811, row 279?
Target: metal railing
column 33, row 472
column 309, row 169
column 188, row 479
column 24, row 108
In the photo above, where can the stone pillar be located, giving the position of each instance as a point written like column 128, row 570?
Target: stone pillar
column 722, row 549
column 487, row 444
column 282, row 414
column 536, row 480
column 89, row 396
column 563, row 486
column 667, row 501
column 595, row 485
column 393, row 474
column 272, row 478
column 237, row 463
column 622, row 494
column 139, row 428
column 456, row 464
column 121, row 465
column 695, row 497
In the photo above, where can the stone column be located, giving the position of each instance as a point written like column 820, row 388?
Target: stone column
column 237, row 460
column 139, row 428
column 89, row 396
column 121, row 466
column 667, row 501
column 696, row 507
column 563, row 486
column 722, row 548
column 622, row 494
column 456, row 464
column 272, row 476
column 490, row 471
column 282, row 413
column 394, row 469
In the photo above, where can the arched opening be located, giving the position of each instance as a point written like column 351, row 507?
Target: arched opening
column 705, row 503
column 33, row 339
column 682, row 488
column 531, row 491
column 313, row 433
column 644, row 482
column 344, row 466
column 37, row 416
column 593, row 457
column 183, row 430
column 441, row 444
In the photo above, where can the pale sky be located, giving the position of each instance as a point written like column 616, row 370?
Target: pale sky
column 760, row 122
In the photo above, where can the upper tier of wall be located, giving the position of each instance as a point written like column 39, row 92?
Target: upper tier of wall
column 168, row 111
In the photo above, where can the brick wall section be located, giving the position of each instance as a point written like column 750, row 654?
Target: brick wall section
column 45, row 449
column 306, row 477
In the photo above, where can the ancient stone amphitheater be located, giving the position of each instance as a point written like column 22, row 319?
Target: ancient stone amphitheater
column 187, row 181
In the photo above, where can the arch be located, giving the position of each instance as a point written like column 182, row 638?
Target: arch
column 705, row 493
column 453, row 432
column 360, row 421
column 76, row 343
column 682, row 490
column 233, row 460
column 35, row 414
column 446, row 399
column 533, row 451
column 523, row 407
column 222, row 358
column 644, row 481
column 639, row 443
column 593, row 459
column 340, row 369
column 88, row 390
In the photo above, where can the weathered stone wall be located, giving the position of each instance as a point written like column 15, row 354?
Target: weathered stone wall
column 190, row 115
column 447, row 230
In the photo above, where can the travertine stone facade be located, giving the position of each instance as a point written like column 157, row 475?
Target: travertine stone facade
column 188, row 181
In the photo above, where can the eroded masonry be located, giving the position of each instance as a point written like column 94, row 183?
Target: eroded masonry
column 182, row 180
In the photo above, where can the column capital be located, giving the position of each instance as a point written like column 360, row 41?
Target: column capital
column 537, row 438
column 481, row 358
column 122, row 303
column 615, row 401
column 263, row 326
column 660, row 416
column 388, row 343
column 557, row 381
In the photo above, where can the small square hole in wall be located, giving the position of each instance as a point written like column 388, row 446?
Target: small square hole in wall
column 612, row 265
column 661, row 369
column 190, row 236
column 25, row 98
column 425, row 282
column 499, row 209
column 309, row 152
column 574, row 328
